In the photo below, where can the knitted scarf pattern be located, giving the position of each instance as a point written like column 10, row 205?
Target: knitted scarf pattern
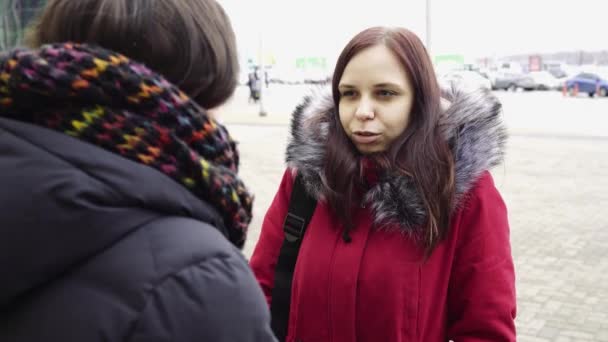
column 104, row 98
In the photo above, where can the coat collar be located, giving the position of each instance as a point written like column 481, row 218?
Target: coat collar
column 472, row 124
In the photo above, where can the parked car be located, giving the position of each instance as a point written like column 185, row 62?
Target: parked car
column 508, row 81
column 468, row 78
column 557, row 69
column 544, row 80
column 588, row 83
column 526, row 82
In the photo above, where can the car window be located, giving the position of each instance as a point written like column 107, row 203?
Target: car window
column 557, row 73
column 588, row 76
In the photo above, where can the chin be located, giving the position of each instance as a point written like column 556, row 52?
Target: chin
column 370, row 150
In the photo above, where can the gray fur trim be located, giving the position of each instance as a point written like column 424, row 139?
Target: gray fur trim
column 472, row 124
column 309, row 130
column 396, row 201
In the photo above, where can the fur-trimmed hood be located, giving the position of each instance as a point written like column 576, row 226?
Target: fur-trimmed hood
column 472, row 124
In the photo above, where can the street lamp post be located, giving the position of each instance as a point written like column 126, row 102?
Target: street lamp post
column 262, row 74
column 428, row 26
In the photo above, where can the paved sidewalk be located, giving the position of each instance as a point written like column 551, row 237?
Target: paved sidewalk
column 556, row 190
column 557, row 195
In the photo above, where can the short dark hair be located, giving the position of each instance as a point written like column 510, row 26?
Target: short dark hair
column 189, row 42
column 420, row 152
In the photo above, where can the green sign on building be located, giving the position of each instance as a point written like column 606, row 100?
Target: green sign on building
column 307, row 63
column 451, row 59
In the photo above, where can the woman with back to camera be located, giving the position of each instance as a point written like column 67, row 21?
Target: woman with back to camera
column 122, row 210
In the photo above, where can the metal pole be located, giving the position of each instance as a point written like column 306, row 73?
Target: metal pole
column 262, row 73
column 428, row 27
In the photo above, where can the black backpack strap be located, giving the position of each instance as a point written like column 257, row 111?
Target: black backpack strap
column 301, row 208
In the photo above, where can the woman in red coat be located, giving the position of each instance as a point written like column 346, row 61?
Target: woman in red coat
column 409, row 240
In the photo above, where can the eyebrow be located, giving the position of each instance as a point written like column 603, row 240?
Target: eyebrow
column 387, row 84
column 379, row 85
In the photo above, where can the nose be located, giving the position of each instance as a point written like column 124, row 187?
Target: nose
column 365, row 109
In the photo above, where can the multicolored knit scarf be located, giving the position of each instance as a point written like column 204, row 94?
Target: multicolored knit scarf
column 108, row 100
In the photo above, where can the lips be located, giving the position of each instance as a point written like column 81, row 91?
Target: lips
column 365, row 137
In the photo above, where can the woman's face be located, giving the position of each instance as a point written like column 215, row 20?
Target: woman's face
column 376, row 98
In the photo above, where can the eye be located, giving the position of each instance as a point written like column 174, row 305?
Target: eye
column 348, row 93
column 386, row 93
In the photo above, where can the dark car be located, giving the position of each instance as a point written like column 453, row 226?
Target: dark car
column 589, row 83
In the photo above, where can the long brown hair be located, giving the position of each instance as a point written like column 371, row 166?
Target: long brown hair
column 420, row 152
column 191, row 43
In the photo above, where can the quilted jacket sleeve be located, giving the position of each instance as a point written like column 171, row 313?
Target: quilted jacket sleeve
column 481, row 298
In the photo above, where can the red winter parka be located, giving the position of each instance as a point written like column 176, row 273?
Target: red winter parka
column 379, row 286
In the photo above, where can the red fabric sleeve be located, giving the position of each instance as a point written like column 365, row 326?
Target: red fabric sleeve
column 481, row 295
column 266, row 252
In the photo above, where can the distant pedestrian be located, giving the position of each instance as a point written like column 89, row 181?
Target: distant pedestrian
column 254, row 87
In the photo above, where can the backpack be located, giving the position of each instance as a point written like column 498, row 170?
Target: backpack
column 301, row 208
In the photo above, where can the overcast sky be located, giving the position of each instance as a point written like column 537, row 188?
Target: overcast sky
column 473, row 28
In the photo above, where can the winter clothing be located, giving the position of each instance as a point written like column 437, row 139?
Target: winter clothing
column 378, row 286
column 127, row 109
column 120, row 199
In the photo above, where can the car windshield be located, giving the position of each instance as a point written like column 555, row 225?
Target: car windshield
column 557, row 73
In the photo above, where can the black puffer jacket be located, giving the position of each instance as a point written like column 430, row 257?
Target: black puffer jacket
column 120, row 207
column 91, row 251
